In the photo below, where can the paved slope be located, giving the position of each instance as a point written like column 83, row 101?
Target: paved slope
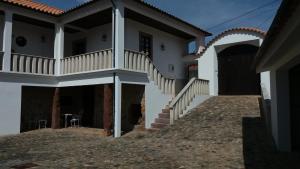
column 224, row 132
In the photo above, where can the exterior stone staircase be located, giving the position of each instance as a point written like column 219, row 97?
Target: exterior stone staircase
column 179, row 105
column 163, row 119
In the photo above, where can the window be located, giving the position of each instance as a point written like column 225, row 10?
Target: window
column 146, row 44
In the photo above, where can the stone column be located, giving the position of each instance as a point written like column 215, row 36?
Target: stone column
column 7, row 39
column 118, row 34
column 108, row 108
column 56, row 109
column 58, row 47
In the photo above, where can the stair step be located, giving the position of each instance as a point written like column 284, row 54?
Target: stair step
column 162, row 120
column 158, row 125
column 164, row 115
column 139, row 127
column 165, row 110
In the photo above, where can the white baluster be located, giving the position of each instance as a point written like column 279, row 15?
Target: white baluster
column 110, row 62
column 142, row 62
column 21, row 64
column 40, row 66
column 138, row 66
column 27, row 64
column 45, row 66
column 126, row 61
column 152, row 72
column 162, row 84
column 15, row 63
column 158, row 80
column 51, row 66
column 134, row 61
column 33, row 65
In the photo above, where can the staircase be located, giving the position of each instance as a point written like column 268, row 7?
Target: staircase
column 178, row 106
column 163, row 119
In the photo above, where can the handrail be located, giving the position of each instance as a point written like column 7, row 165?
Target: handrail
column 138, row 61
column 186, row 95
column 97, row 51
column 34, row 56
column 175, row 100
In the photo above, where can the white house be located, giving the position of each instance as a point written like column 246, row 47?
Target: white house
column 280, row 54
column 107, row 61
column 227, row 63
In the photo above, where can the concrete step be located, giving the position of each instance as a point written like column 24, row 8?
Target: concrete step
column 165, row 110
column 158, row 125
column 139, row 127
column 164, row 115
column 162, row 120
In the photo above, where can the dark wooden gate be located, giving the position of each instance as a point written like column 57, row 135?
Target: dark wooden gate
column 236, row 74
column 295, row 107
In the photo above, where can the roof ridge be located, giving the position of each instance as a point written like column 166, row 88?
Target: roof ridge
column 249, row 29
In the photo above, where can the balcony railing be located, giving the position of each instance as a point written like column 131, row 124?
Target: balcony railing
column 87, row 62
column 32, row 64
column 1, row 59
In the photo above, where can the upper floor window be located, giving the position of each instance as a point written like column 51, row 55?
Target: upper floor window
column 145, row 44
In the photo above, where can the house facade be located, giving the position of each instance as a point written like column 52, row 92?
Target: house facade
column 113, row 63
column 279, row 54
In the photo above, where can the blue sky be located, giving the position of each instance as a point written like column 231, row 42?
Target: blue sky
column 207, row 13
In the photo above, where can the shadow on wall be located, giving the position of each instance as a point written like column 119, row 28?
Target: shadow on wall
column 259, row 150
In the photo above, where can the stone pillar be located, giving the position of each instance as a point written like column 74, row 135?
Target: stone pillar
column 117, row 106
column 118, row 34
column 56, row 109
column 58, row 47
column 108, row 108
column 7, row 39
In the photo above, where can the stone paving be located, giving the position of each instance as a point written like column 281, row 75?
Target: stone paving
column 224, row 132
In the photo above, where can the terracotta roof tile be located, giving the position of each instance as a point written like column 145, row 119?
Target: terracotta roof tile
column 226, row 32
column 35, row 6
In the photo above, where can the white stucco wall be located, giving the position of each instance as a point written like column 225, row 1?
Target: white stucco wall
column 155, row 101
column 93, row 38
column 208, row 62
column 10, row 111
column 33, row 34
column 175, row 47
column 265, row 85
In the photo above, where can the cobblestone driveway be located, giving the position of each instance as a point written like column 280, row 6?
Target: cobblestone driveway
column 224, row 132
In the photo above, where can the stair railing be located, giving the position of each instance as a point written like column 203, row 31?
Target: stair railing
column 138, row 61
column 185, row 97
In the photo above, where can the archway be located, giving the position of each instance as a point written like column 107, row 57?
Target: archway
column 236, row 74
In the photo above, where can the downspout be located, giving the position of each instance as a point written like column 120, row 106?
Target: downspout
column 114, row 62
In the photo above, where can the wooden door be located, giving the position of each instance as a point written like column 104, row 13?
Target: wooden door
column 295, row 107
column 236, row 75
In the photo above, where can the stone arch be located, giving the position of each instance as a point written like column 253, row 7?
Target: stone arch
column 208, row 65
